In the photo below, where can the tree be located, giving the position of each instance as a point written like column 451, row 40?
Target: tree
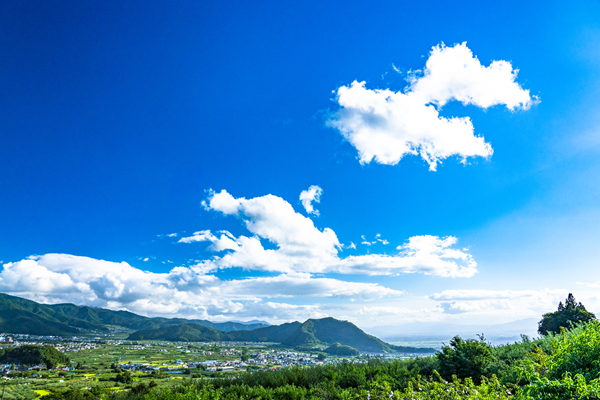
column 465, row 358
column 125, row 377
column 567, row 315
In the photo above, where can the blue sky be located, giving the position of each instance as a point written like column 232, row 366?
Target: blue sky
column 118, row 119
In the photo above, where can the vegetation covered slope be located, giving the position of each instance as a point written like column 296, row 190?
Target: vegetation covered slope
column 18, row 315
column 337, row 349
column 181, row 333
column 275, row 333
column 313, row 332
column 330, row 330
column 33, row 355
column 199, row 333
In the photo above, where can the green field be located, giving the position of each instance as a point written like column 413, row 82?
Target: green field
column 97, row 369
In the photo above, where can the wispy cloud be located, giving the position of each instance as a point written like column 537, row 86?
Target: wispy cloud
column 308, row 196
column 378, row 239
column 384, row 125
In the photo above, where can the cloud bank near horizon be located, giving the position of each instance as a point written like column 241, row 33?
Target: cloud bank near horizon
column 384, row 125
column 183, row 291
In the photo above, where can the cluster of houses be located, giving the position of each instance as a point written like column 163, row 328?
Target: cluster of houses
column 75, row 346
column 270, row 359
column 6, row 340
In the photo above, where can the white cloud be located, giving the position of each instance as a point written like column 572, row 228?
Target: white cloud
column 594, row 285
column 384, row 313
column 517, row 303
column 182, row 291
column 301, row 247
column 308, row 196
column 303, row 285
column 199, row 236
column 384, row 125
column 377, row 239
column 167, row 235
column 366, row 242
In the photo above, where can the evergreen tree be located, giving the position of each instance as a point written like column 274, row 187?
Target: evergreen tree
column 566, row 317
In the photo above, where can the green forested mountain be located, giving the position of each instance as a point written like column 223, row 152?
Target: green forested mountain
column 313, row 332
column 198, row 333
column 275, row 333
column 181, row 333
column 18, row 315
column 330, row 330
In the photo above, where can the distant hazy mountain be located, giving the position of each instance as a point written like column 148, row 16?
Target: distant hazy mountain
column 18, row 315
column 313, row 332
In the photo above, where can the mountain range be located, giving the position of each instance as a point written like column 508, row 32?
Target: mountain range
column 18, row 315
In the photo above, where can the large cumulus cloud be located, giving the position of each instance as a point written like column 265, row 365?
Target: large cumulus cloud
column 384, row 125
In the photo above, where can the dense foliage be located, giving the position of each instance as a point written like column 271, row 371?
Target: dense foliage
column 567, row 316
column 570, row 370
column 561, row 367
column 337, row 349
column 33, row 355
column 465, row 359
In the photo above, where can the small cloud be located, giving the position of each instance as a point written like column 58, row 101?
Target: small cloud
column 167, row 235
column 366, row 242
column 377, row 239
column 145, row 259
column 308, row 196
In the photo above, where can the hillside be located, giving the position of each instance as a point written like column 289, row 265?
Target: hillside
column 313, row 332
column 33, row 355
column 18, row 315
column 330, row 330
column 337, row 349
column 275, row 333
column 181, row 333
